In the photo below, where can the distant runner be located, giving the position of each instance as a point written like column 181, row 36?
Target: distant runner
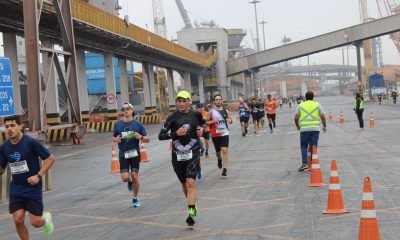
column 270, row 106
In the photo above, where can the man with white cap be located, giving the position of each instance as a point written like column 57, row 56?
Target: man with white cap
column 127, row 133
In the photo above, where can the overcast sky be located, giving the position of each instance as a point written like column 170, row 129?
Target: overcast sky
column 297, row 19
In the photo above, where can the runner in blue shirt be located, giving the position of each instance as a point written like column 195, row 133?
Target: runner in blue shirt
column 127, row 133
column 22, row 154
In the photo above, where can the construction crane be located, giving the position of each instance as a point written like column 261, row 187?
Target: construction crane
column 388, row 8
column 370, row 67
column 185, row 17
column 160, row 27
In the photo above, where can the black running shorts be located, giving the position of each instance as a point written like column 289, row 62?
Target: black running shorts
column 188, row 168
column 126, row 164
column 271, row 116
column 206, row 135
column 244, row 119
column 220, row 142
column 32, row 205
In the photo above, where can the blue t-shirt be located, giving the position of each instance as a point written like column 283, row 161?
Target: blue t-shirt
column 243, row 111
column 127, row 131
column 23, row 160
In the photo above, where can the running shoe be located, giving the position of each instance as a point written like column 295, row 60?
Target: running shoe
column 243, row 134
column 130, row 186
column 224, row 172
column 206, row 153
column 219, row 163
column 135, row 203
column 191, row 219
column 199, row 174
column 48, row 228
column 303, row 168
column 201, row 152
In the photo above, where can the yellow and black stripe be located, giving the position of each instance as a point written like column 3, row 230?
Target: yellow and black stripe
column 53, row 119
column 112, row 114
column 3, row 137
column 148, row 119
column 148, row 111
column 58, row 135
column 172, row 108
column 85, row 116
column 107, row 126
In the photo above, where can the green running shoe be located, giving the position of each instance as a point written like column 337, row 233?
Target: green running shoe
column 48, row 228
column 191, row 219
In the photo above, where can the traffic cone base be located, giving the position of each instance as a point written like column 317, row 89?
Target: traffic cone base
column 335, row 200
column 143, row 153
column 316, row 174
column 114, row 161
column 368, row 229
column 371, row 120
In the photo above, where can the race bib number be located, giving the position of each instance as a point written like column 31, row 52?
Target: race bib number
column 184, row 156
column 19, row 167
column 220, row 130
column 131, row 154
column 242, row 114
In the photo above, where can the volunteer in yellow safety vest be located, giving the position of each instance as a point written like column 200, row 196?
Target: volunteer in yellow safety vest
column 308, row 118
column 359, row 109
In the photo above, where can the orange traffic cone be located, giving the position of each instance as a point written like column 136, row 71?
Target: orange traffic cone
column 371, row 120
column 330, row 115
column 316, row 174
column 368, row 222
column 341, row 120
column 114, row 160
column 143, row 153
column 335, row 200
column 309, row 157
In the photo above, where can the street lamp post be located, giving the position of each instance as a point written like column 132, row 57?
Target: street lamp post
column 263, row 23
column 255, row 10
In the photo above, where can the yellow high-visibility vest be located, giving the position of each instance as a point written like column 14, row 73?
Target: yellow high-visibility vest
column 309, row 114
column 361, row 103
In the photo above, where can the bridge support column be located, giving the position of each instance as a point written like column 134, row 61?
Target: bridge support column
column 246, row 84
column 10, row 51
column 51, row 92
column 283, row 89
column 123, row 81
column 186, row 82
column 171, row 90
column 149, row 88
column 303, row 87
column 112, row 113
column 201, row 87
column 82, row 84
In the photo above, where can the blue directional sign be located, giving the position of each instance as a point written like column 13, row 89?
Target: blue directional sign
column 6, row 88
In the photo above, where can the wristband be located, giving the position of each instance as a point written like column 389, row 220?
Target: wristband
column 39, row 176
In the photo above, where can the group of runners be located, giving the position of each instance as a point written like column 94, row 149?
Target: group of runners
column 256, row 110
column 188, row 130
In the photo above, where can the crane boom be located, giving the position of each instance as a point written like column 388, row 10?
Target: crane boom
column 160, row 27
column 185, row 17
column 388, row 8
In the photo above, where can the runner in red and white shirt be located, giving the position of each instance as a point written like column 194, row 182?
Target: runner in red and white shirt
column 218, row 119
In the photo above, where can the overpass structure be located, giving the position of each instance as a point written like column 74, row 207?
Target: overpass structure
column 351, row 35
column 80, row 27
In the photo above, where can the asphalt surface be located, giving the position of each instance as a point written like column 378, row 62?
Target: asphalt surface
column 263, row 196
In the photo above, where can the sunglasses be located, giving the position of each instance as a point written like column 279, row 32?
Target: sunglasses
column 126, row 109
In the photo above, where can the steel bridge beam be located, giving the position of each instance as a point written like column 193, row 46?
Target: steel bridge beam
column 343, row 37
